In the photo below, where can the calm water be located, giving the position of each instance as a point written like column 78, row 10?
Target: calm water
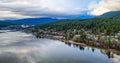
column 19, row 47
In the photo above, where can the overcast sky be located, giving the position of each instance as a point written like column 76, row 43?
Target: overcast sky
column 18, row 9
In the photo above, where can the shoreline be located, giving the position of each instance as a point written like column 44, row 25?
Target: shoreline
column 82, row 44
column 77, row 43
column 85, row 45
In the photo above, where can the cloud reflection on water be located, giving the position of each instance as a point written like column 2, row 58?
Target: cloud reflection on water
column 19, row 47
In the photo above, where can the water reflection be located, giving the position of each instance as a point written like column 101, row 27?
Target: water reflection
column 109, row 53
column 19, row 47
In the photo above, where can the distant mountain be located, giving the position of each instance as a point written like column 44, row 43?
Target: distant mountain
column 31, row 21
column 4, row 24
column 111, row 14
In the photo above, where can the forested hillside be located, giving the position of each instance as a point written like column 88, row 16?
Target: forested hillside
column 100, row 32
column 96, row 25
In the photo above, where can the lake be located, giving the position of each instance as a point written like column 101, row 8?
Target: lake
column 20, row 47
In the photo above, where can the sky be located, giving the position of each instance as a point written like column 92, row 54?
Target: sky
column 19, row 9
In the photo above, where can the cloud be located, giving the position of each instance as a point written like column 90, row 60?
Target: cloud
column 41, row 8
column 18, row 9
column 11, row 15
column 104, row 6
